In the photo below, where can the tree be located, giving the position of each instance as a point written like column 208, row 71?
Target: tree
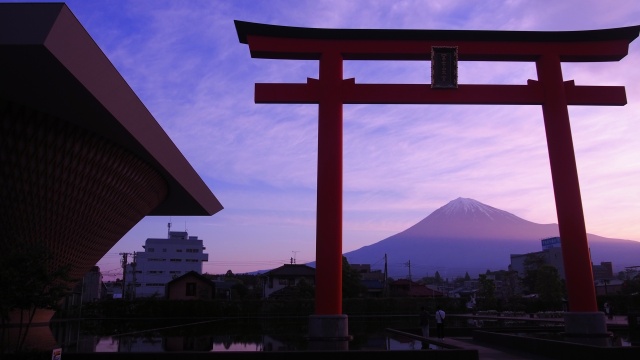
column 466, row 276
column 511, row 284
column 305, row 290
column 548, row 284
column 239, row 290
column 29, row 281
column 351, row 284
column 531, row 265
column 438, row 278
column 458, row 281
column 429, row 280
column 487, row 292
column 631, row 286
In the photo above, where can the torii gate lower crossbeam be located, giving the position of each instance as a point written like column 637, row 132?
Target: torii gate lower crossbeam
column 547, row 49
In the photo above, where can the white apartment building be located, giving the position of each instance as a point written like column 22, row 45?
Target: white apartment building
column 161, row 261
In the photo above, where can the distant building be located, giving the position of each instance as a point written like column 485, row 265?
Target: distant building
column 551, row 255
column 373, row 281
column 91, row 285
column 224, row 288
column 112, row 289
column 162, row 261
column 280, row 282
column 552, row 242
column 604, row 271
column 408, row 288
column 608, row 286
column 89, row 289
column 366, row 273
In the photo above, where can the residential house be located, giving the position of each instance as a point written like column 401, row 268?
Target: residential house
column 372, row 280
column 408, row 288
column 281, row 281
column 190, row 286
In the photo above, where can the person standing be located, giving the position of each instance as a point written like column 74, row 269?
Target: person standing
column 424, row 322
column 608, row 311
column 440, row 314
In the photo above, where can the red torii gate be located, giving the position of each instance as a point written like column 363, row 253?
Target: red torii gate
column 547, row 49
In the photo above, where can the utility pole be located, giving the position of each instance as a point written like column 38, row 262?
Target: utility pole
column 386, row 276
column 133, row 268
column 408, row 264
column 124, row 273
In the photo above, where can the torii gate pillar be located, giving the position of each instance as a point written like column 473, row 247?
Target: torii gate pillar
column 547, row 49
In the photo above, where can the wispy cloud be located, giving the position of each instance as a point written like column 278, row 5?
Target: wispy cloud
column 401, row 162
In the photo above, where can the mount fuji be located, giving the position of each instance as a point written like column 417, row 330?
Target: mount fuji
column 466, row 235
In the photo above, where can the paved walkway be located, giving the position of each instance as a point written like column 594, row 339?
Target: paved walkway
column 493, row 352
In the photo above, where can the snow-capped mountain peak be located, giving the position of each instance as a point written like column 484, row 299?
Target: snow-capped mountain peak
column 468, row 218
column 465, row 207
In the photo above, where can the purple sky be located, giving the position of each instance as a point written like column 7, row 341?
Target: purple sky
column 401, row 162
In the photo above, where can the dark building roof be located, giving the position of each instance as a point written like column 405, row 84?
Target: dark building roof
column 291, row 270
column 372, row 284
column 192, row 274
column 412, row 288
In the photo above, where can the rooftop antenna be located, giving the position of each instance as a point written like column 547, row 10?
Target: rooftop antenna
column 169, row 228
column 293, row 259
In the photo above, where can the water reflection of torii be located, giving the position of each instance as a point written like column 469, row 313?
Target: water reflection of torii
column 547, row 49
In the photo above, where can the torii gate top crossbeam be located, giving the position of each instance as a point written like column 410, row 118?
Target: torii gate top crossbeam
column 286, row 42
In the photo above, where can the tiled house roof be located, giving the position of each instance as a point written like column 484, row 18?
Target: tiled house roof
column 291, row 270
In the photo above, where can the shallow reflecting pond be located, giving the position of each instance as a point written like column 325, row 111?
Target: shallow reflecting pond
column 267, row 343
column 216, row 335
column 235, row 334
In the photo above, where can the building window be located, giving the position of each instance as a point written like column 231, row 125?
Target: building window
column 191, row 289
column 178, row 250
column 176, row 260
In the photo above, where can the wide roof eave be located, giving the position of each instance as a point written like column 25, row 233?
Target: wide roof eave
column 48, row 61
column 245, row 29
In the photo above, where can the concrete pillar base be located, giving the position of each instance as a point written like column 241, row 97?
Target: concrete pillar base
column 329, row 332
column 586, row 327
